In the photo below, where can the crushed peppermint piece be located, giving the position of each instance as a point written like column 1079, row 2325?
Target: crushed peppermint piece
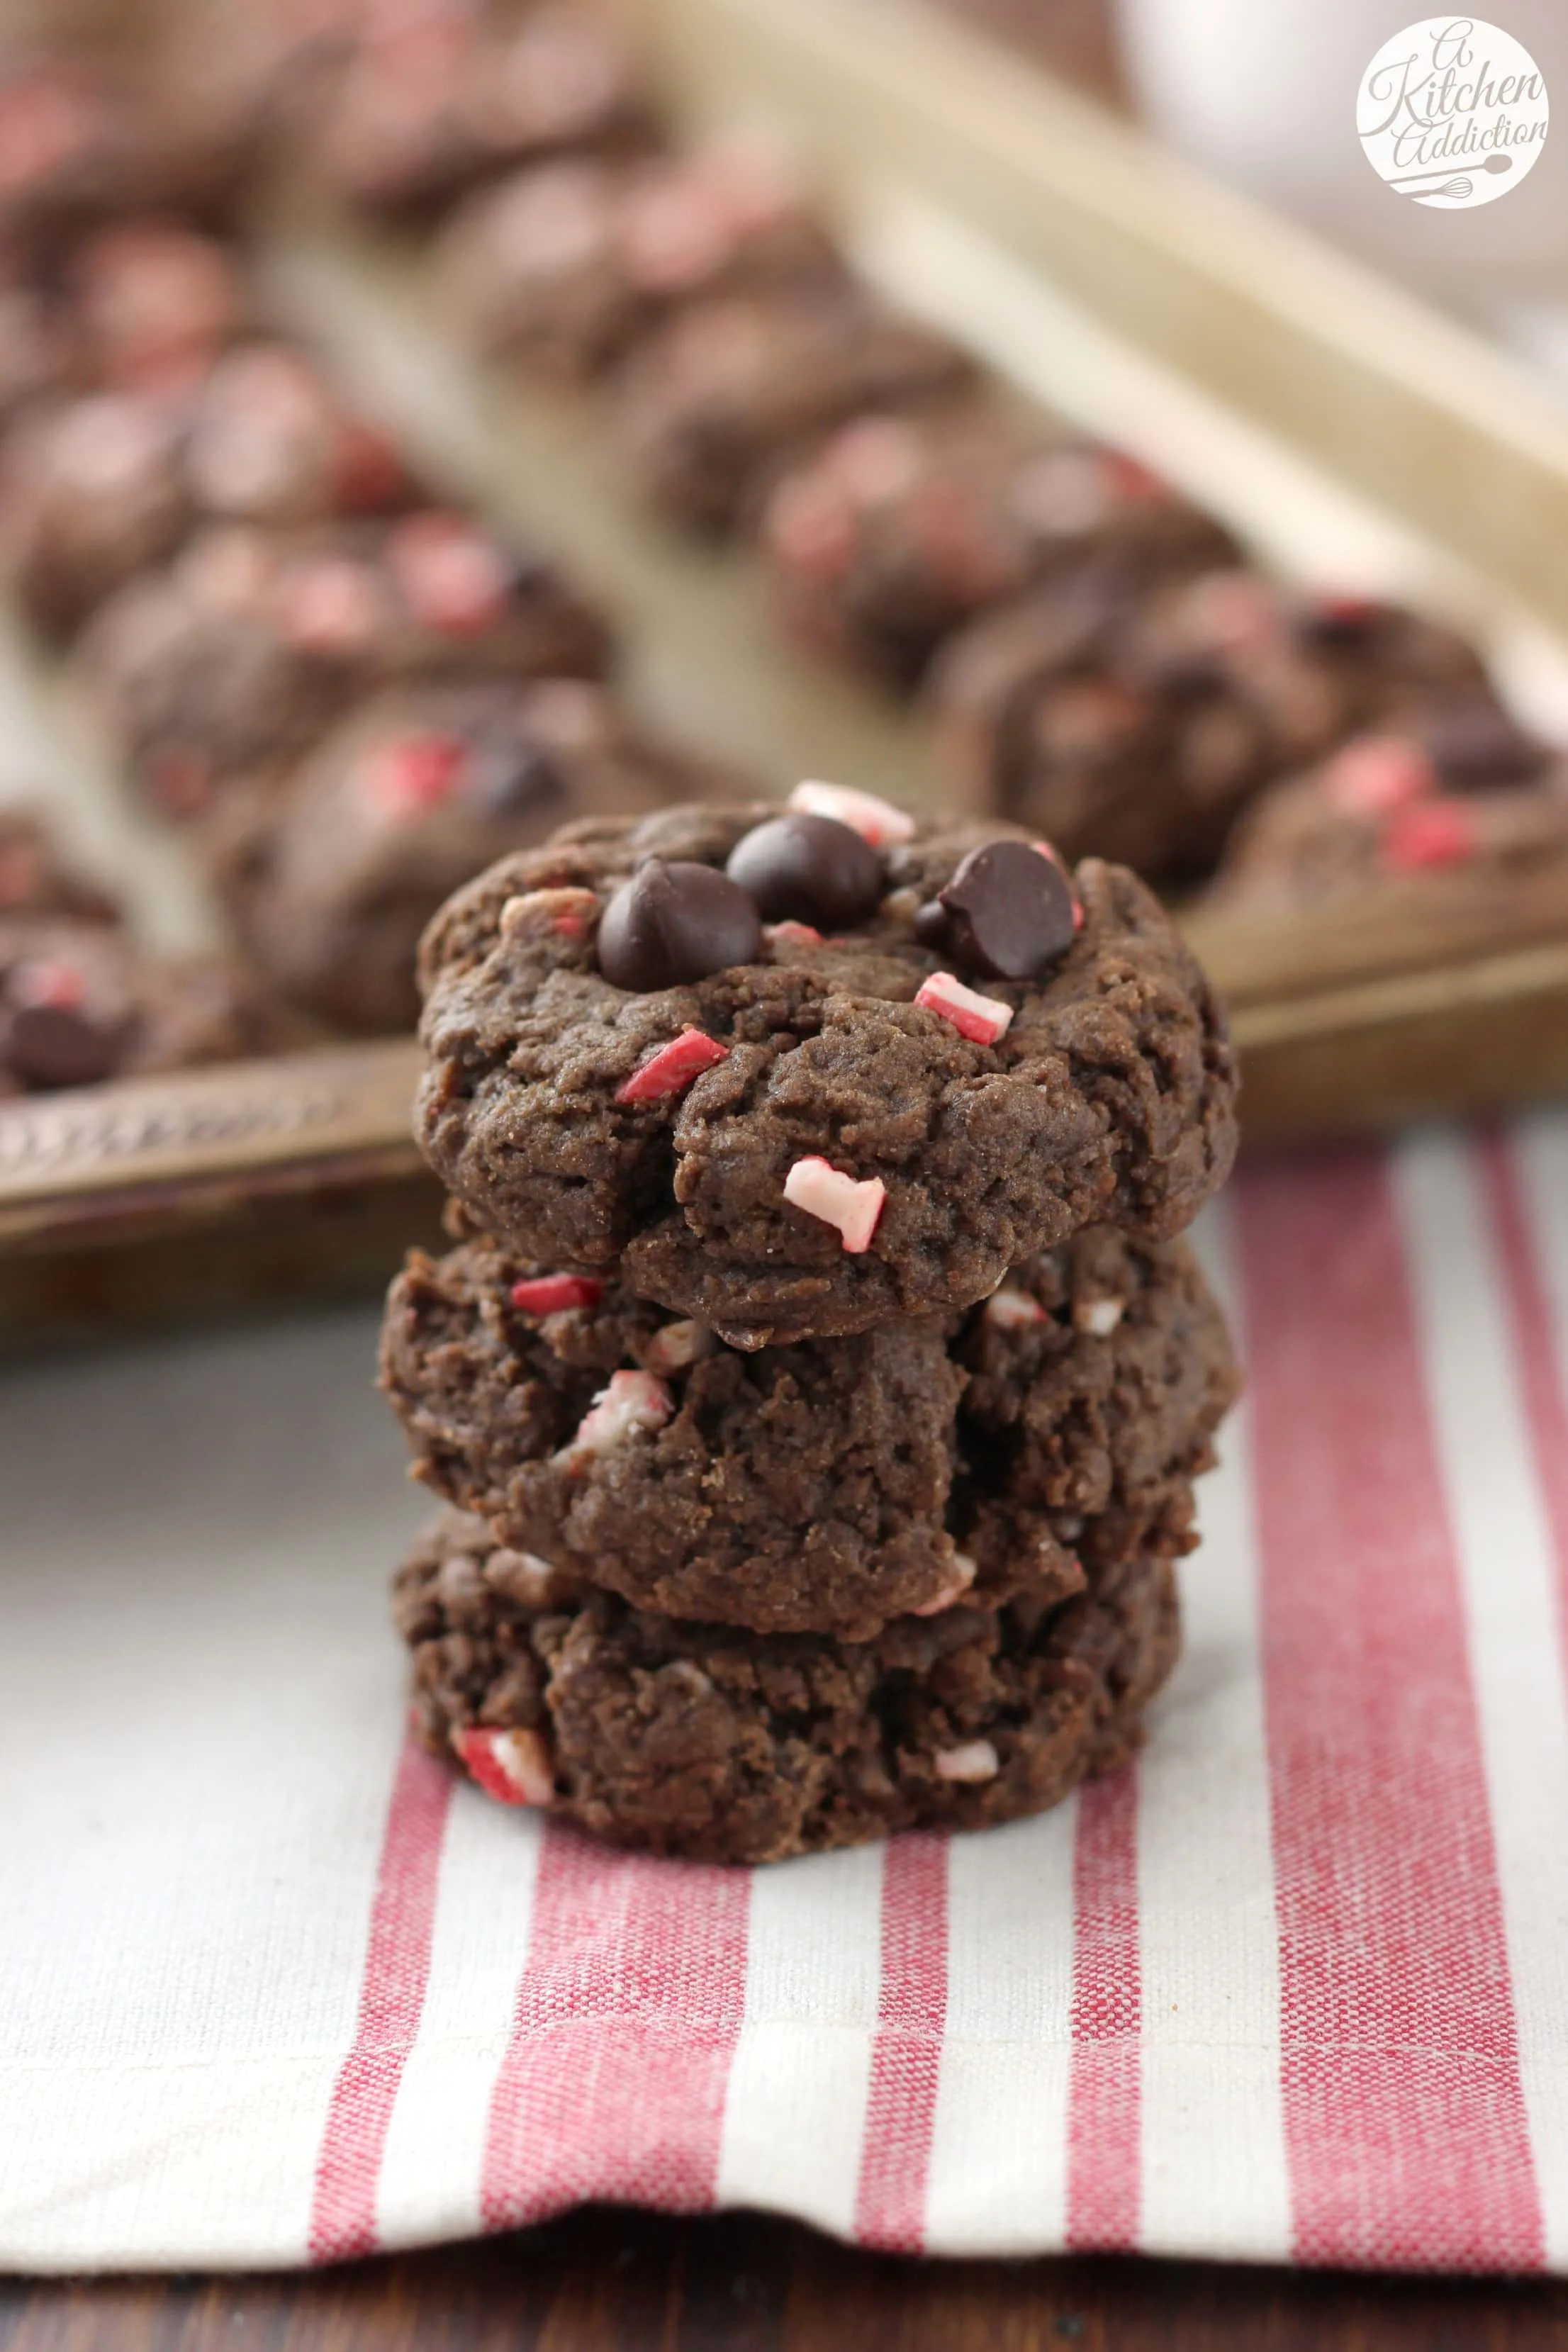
column 532, row 913
column 632, row 1401
column 672, row 1069
column 823, row 1191
column 1379, row 773
column 974, row 1760
column 414, row 773
column 1098, row 1316
column 511, row 1765
column 791, row 935
column 964, row 1572
column 878, row 821
column 556, row 1294
column 675, row 1345
column 1013, row 1310
column 1427, row 834
column 981, row 1019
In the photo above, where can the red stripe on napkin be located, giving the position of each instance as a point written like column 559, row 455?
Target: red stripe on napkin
column 1534, row 1346
column 1404, row 2119
column 906, row 2056
column 1103, row 2192
column 392, row 1995
column 612, row 2084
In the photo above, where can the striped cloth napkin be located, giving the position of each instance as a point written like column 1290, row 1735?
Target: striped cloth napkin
column 274, row 1989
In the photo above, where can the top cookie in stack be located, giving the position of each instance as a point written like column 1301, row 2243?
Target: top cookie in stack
column 797, row 1074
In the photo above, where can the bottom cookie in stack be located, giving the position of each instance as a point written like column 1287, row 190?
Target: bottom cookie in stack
column 727, row 1745
column 746, row 1603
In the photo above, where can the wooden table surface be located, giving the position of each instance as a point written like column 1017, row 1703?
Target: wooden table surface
column 618, row 2282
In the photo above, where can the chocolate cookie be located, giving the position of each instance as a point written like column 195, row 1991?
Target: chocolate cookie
column 802, row 1130
column 713, row 403
column 81, row 144
column 565, row 266
column 829, row 1486
column 151, row 303
column 80, row 1004
column 239, row 655
column 701, row 1740
column 898, row 530
column 434, row 100
column 332, row 876
column 1383, row 815
column 1138, row 727
column 100, row 489
column 800, row 1487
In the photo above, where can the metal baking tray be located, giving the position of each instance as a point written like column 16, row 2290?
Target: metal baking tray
column 1350, row 436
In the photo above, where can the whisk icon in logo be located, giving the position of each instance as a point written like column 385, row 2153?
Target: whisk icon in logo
column 1452, row 112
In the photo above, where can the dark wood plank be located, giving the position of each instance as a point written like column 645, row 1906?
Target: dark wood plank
column 602, row 2282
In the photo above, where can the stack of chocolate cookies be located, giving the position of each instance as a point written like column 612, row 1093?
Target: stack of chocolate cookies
column 817, row 1381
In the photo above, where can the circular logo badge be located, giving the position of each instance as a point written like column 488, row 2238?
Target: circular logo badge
column 1452, row 112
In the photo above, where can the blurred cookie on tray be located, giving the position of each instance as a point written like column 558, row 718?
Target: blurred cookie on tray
column 81, row 1003
column 1387, row 814
column 236, row 657
column 434, row 99
column 95, row 490
column 331, row 879
column 709, row 408
column 564, row 266
column 896, row 531
column 1140, row 725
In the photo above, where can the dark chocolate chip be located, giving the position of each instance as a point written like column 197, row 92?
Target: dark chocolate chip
column 1009, row 911
column 809, row 869
column 675, row 923
column 61, row 1046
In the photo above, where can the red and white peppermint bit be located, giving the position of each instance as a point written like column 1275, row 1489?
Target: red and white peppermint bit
column 511, row 1765
column 331, row 606
column 454, row 577
column 823, row 1191
column 1428, row 834
column 556, row 1294
column 981, row 1019
column 677, row 1345
column 415, row 772
column 1098, row 1316
column 534, row 914
column 809, row 525
column 47, row 980
column 1349, row 609
column 632, row 1402
column 790, row 934
column 1012, row 1310
column 972, row 1759
column 878, row 821
column 964, row 1572
column 1379, row 773
column 672, row 1070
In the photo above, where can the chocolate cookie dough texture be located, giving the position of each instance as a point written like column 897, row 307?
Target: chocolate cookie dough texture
column 818, row 1383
